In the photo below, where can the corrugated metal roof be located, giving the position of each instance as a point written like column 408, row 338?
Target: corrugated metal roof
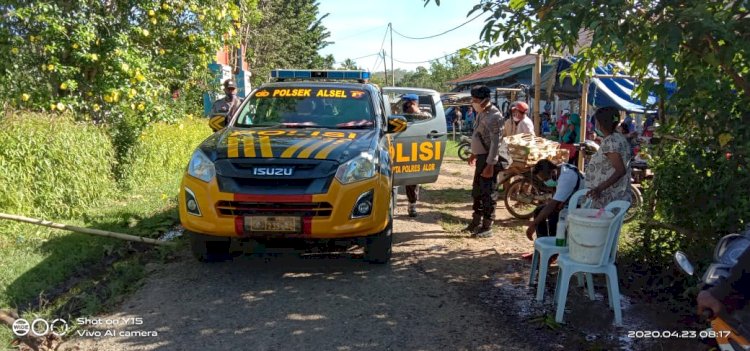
column 497, row 70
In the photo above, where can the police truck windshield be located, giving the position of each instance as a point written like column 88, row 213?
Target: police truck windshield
column 307, row 107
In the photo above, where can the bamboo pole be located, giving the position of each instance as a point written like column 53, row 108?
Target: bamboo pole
column 584, row 111
column 85, row 230
column 537, row 93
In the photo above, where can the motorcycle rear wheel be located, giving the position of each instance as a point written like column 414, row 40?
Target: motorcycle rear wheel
column 522, row 198
column 464, row 151
column 636, row 200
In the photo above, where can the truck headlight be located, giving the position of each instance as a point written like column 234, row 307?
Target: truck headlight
column 359, row 168
column 201, row 167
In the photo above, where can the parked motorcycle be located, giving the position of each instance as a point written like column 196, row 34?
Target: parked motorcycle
column 731, row 330
column 526, row 193
column 464, row 148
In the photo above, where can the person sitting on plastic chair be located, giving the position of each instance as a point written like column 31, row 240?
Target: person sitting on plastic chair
column 566, row 179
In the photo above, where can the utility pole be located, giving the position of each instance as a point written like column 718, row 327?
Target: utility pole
column 385, row 68
column 393, row 74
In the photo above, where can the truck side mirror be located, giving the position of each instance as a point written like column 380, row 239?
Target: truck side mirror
column 217, row 122
column 396, row 124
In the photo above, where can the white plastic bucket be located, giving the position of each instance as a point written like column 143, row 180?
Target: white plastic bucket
column 587, row 234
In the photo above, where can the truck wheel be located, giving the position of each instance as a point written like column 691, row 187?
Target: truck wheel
column 208, row 248
column 378, row 247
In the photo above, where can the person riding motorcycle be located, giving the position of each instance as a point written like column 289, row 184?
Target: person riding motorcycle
column 738, row 282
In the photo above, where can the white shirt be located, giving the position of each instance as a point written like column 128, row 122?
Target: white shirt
column 566, row 183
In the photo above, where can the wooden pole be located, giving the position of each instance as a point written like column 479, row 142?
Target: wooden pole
column 584, row 112
column 85, row 230
column 537, row 93
column 393, row 73
column 385, row 69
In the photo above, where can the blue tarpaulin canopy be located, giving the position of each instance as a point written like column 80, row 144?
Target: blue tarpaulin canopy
column 617, row 92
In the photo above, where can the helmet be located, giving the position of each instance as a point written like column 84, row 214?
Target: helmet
column 410, row 97
column 229, row 83
column 520, row 106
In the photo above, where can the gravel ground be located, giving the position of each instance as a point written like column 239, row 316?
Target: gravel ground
column 442, row 291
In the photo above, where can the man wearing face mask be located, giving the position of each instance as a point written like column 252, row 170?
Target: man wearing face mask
column 485, row 144
column 228, row 105
column 519, row 122
column 566, row 179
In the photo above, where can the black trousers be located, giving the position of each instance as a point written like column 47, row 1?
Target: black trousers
column 481, row 191
column 549, row 226
column 412, row 193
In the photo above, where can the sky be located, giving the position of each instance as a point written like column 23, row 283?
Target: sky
column 358, row 28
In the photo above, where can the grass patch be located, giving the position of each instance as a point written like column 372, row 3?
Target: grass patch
column 451, row 149
column 449, row 196
column 52, row 273
column 451, row 225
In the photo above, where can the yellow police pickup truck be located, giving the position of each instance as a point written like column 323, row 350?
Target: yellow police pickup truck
column 311, row 158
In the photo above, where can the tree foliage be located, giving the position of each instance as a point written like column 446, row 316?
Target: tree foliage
column 106, row 58
column 703, row 46
column 440, row 72
column 289, row 35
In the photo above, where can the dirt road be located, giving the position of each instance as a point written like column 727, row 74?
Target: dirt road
column 442, row 291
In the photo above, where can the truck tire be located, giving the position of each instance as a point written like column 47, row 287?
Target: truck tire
column 208, row 248
column 379, row 247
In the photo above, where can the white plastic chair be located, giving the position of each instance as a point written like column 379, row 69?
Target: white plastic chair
column 545, row 248
column 606, row 266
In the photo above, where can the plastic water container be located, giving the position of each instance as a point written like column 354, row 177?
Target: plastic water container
column 587, row 234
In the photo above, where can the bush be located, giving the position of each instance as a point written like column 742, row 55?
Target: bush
column 162, row 153
column 52, row 166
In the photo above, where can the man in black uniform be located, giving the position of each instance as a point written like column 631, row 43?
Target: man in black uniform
column 413, row 113
column 228, row 105
column 485, row 145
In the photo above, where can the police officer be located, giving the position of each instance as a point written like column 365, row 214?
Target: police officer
column 485, row 147
column 228, row 105
column 413, row 113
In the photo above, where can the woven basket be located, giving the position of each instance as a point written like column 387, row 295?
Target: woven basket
column 529, row 149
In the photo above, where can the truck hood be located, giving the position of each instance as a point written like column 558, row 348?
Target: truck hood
column 289, row 143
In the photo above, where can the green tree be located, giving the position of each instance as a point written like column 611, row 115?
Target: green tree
column 289, row 35
column 349, row 64
column 440, row 72
column 702, row 178
column 106, row 58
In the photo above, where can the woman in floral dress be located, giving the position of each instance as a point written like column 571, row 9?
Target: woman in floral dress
column 607, row 173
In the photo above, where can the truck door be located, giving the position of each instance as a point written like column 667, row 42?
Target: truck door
column 417, row 152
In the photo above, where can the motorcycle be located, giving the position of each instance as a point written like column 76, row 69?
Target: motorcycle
column 730, row 329
column 464, row 148
column 526, row 193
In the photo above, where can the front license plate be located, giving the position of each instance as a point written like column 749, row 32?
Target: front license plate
column 275, row 224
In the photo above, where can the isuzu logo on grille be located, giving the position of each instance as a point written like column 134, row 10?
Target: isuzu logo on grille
column 273, row 171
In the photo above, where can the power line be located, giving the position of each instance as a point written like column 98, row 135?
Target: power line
column 385, row 35
column 430, row 60
column 376, row 66
column 377, row 63
column 357, row 34
column 439, row 34
column 366, row 56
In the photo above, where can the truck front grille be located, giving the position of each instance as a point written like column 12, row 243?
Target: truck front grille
column 243, row 208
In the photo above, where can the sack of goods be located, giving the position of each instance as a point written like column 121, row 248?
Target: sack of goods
column 529, row 149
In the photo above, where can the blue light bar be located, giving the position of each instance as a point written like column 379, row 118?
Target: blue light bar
column 319, row 74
